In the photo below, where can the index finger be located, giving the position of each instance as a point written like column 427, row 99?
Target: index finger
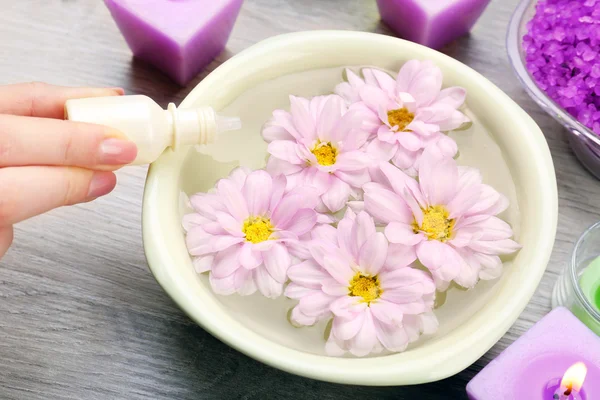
column 36, row 99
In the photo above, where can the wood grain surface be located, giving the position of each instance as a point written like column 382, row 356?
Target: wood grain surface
column 81, row 317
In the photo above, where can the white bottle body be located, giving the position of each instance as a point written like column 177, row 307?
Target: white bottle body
column 150, row 127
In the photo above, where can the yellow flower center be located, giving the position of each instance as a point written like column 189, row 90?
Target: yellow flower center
column 325, row 153
column 257, row 229
column 436, row 224
column 366, row 287
column 401, row 117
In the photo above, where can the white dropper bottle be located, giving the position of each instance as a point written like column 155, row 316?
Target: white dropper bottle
column 150, row 127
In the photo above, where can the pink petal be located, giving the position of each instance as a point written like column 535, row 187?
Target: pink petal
column 347, row 328
column 398, row 232
column 301, row 319
column 329, row 117
column 452, row 96
column 303, row 221
column 363, row 229
column 215, row 228
column 285, row 150
column 257, row 191
column 347, row 92
column 229, row 224
column 336, row 196
column 307, row 273
column 403, row 277
column 386, row 312
column 315, row 305
column 407, row 294
column 233, row 199
column 385, row 82
column 238, row 176
column 406, row 160
column 354, row 178
column 352, row 161
column 226, row 262
column 382, row 151
column 392, row 337
column 491, row 266
column 385, row 205
column 400, row 255
column 203, row 264
column 441, row 259
column 249, row 258
column 193, row 220
column 490, row 202
column 272, row 131
column 244, row 282
column 198, row 241
column 268, row 286
column 375, row 98
column 438, row 179
column 406, row 74
column 277, row 261
column 344, row 235
column 334, row 288
column 286, row 210
column 325, row 233
column 464, row 200
column 365, row 339
column 347, row 306
column 426, row 86
column 276, row 166
column 223, row 242
column 410, row 141
column 468, row 176
column 469, row 273
column 285, row 120
column 295, row 291
column 206, row 204
column 338, row 268
column 373, row 253
column 224, row 286
column 279, row 185
column 495, row 247
column 303, row 121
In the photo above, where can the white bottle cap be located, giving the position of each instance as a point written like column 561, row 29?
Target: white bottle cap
column 199, row 125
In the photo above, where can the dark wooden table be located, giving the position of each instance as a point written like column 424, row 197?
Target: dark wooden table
column 81, row 317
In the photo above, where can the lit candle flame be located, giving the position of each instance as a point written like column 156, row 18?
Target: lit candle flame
column 574, row 377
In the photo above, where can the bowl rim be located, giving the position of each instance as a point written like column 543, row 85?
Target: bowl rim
column 371, row 371
column 513, row 48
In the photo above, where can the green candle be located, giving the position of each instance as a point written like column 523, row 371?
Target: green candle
column 590, row 286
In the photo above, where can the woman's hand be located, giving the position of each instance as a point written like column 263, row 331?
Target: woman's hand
column 46, row 162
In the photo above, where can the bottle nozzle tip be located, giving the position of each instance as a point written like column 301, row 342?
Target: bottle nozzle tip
column 225, row 124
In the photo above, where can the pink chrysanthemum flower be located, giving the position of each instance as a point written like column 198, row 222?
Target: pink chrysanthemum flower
column 376, row 299
column 242, row 232
column 448, row 217
column 319, row 143
column 407, row 114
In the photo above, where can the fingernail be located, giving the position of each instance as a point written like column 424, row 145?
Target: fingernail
column 102, row 183
column 117, row 152
column 119, row 90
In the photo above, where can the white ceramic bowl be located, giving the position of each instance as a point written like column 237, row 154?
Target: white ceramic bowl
column 268, row 337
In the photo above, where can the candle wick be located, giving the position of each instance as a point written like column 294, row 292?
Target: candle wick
column 569, row 389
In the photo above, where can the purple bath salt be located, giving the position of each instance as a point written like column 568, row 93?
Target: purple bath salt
column 562, row 49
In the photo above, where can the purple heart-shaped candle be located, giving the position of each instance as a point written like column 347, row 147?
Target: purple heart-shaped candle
column 432, row 23
column 180, row 37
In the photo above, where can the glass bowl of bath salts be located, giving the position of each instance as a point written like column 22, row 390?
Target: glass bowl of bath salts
column 584, row 142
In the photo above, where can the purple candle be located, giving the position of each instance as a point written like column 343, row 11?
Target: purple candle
column 559, row 358
column 180, row 37
column 432, row 23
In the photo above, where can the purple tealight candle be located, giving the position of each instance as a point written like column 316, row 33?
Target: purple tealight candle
column 180, row 37
column 432, row 23
column 559, row 358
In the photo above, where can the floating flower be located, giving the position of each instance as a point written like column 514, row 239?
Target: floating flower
column 242, row 232
column 366, row 284
column 319, row 143
column 407, row 114
column 448, row 217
